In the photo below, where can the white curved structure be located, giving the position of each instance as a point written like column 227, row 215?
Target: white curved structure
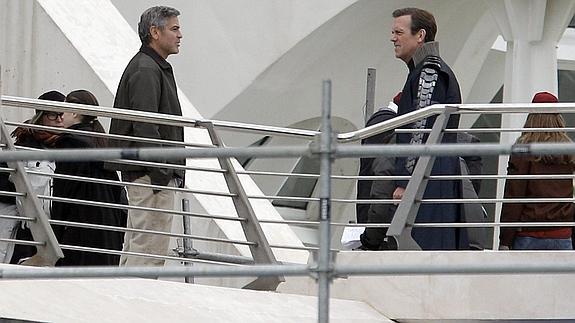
column 264, row 62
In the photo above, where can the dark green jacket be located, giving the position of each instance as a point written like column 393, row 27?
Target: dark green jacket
column 147, row 84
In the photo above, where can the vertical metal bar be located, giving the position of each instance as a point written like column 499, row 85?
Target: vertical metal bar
column 499, row 194
column 406, row 213
column 370, row 94
column 187, row 242
column 324, row 259
column 261, row 252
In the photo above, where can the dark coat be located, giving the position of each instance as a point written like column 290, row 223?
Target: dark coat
column 148, row 84
column 96, row 238
column 446, row 91
column 373, row 238
column 365, row 164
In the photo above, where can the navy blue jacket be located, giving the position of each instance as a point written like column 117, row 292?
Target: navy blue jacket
column 445, row 91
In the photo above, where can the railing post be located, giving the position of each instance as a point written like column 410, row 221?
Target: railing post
column 404, row 218
column 189, row 251
column 370, row 94
column 324, row 266
column 50, row 252
column 261, row 252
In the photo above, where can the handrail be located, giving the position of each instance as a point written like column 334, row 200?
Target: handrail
column 19, row 102
column 121, row 183
column 107, row 135
column 281, row 174
column 140, row 254
column 498, row 108
column 390, row 124
column 354, row 151
column 23, row 242
column 514, row 108
column 167, row 234
column 140, row 116
column 136, row 162
column 488, row 130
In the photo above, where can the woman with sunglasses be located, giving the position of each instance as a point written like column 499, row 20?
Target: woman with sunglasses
column 26, row 136
column 83, row 190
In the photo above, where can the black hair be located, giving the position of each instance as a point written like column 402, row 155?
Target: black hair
column 86, row 97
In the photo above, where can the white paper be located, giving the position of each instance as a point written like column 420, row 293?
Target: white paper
column 350, row 237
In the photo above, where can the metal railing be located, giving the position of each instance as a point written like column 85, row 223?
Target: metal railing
column 49, row 250
column 325, row 147
column 256, row 241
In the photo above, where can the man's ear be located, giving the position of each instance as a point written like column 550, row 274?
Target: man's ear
column 154, row 32
column 421, row 35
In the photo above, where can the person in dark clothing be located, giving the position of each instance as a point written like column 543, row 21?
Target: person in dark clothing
column 366, row 164
column 39, row 139
column 86, row 190
column 374, row 238
column 148, row 84
column 430, row 81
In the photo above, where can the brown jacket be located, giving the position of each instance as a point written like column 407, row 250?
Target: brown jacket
column 535, row 188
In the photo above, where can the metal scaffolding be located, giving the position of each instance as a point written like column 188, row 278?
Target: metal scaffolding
column 325, row 147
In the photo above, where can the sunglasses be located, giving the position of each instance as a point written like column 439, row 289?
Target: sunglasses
column 53, row 116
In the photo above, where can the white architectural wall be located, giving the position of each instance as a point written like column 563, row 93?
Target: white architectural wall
column 263, row 61
column 37, row 57
column 342, row 49
column 228, row 43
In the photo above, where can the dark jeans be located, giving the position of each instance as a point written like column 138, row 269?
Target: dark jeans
column 529, row 243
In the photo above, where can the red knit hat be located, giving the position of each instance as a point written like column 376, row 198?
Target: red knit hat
column 544, row 97
column 397, row 98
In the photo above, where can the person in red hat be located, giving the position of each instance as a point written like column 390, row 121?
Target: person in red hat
column 539, row 238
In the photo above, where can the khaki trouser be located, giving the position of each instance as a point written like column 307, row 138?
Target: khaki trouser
column 148, row 220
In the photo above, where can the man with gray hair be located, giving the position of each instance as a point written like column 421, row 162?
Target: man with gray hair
column 148, row 85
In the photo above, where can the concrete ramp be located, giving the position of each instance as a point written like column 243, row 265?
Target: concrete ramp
column 451, row 297
column 146, row 300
